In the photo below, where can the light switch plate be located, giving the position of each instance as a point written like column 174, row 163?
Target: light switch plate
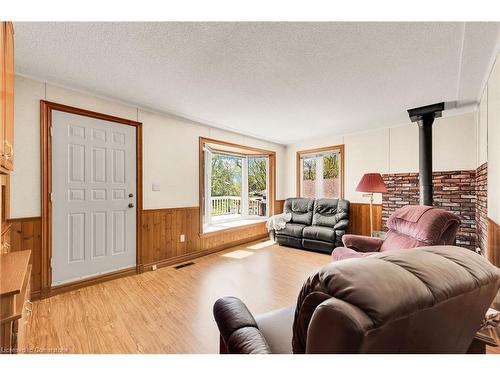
column 183, row 238
column 155, row 187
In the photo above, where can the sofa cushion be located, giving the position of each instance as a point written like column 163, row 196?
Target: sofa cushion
column 301, row 210
column 289, row 241
column 328, row 212
column 276, row 326
column 319, row 233
column 316, row 245
column 292, row 230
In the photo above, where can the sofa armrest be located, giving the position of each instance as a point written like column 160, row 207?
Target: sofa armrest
column 238, row 327
column 362, row 243
column 342, row 224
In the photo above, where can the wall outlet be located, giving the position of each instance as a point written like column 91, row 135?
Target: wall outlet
column 155, row 187
column 154, row 267
column 183, row 238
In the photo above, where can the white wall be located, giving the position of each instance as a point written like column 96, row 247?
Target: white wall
column 170, row 148
column 493, row 119
column 482, row 130
column 25, row 180
column 395, row 150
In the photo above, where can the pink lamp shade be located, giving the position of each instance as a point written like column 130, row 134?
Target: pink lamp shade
column 371, row 183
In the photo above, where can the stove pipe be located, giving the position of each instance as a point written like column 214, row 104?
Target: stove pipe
column 424, row 117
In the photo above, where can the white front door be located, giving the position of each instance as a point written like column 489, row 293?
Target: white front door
column 93, row 197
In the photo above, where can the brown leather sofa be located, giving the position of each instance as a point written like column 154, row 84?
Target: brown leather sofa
column 423, row 300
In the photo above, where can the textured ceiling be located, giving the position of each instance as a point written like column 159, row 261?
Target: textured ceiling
column 278, row 81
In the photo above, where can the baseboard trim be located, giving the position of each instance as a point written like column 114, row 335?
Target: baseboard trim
column 187, row 257
column 37, row 295
column 55, row 290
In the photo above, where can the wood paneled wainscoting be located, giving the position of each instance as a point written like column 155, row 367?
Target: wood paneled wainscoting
column 162, row 228
column 26, row 234
column 160, row 241
column 493, row 253
column 160, row 232
column 278, row 206
column 359, row 218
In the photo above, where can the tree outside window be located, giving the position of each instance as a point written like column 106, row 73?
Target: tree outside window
column 321, row 174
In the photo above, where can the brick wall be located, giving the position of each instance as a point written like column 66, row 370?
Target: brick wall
column 454, row 191
column 482, row 207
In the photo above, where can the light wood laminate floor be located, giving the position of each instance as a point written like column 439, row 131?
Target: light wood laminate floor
column 170, row 310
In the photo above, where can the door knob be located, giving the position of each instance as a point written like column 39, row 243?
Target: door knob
column 130, row 205
column 131, row 195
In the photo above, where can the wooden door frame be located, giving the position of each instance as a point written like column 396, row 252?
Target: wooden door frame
column 46, row 108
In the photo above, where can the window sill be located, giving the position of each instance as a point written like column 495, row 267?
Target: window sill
column 228, row 225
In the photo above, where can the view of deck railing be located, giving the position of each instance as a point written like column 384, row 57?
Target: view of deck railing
column 228, row 205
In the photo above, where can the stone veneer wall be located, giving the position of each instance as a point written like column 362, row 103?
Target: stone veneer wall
column 482, row 207
column 454, row 191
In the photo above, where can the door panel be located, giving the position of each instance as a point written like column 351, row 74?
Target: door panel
column 118, row 230
column 99, row 233
column 76, row 236
column 118, row 166
column 93, row 173
column 98, row 164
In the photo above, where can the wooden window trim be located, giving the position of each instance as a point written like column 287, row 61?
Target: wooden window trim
column 254, row 152
column 340, row 148
column 46, row 108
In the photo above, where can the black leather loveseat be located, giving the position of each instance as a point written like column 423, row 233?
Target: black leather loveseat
column 316, row 224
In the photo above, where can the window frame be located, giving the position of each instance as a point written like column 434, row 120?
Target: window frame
column 298, row 169
column 245, row 152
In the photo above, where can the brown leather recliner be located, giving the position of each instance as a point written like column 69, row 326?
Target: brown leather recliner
column 409, row 227
column 426, row 300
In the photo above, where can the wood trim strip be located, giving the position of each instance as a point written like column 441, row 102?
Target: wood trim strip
column 46, row 109
column 272, row 188
column 23, row 219
column 55, row 290
column 5, row 198
column 84, row 112
column 46, row 188
column 139, row 192
column 201, row 184
column 341, row 148
column 187, row 257
column 236, row 145
column 169, row 209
